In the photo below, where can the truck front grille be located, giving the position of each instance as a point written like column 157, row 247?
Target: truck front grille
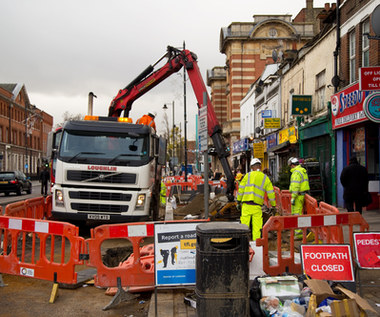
column 99, row 208
column 101, row 177
column 100, row 196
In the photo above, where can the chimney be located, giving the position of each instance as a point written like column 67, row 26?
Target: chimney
column 309, row 11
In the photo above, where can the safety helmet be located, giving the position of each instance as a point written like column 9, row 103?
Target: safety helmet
column 152, row 113
column 255, row 161
column 293, row 160
column 239, row 176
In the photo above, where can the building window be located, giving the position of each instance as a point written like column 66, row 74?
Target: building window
column 352, row 53
column 365, row 44
column 320, row 84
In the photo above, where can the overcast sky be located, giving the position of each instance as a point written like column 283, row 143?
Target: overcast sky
column 62, row 50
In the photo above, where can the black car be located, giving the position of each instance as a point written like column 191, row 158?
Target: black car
column 15, row 181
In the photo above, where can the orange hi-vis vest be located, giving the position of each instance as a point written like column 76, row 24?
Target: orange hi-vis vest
column 147, row 120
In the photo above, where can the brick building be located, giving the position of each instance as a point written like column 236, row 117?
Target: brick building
column 249, row 47
column 23, row 131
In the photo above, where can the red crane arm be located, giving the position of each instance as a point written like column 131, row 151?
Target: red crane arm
column 150, row 78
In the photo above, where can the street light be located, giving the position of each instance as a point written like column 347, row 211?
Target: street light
column 165, row 108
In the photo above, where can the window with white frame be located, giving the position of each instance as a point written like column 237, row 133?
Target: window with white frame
column 320, row 87
column 352, row 53
column 365, row 44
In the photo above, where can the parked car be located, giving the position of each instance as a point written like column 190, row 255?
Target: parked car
column 15, row 181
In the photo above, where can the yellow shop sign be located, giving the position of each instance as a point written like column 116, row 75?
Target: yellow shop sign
column 289, row 134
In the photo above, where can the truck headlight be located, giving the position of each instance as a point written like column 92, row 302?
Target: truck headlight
column 140, row 201
column 59, row 198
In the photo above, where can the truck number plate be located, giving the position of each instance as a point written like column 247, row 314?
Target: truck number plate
column 98, row 217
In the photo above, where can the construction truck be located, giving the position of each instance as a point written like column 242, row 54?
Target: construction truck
column 107, row 168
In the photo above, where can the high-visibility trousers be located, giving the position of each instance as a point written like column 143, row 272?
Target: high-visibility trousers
column 163, row 200
column 297, row 210
column 252, row 214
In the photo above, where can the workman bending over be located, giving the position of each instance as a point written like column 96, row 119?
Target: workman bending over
column 250, row 197
column 299, row 186
column 148, row 120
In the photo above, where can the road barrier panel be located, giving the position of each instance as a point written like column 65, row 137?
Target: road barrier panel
column 30, row 248
column 288, row 261
column 138, row 274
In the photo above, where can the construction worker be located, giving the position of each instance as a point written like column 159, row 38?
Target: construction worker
column 250, row 197
column 238, row 178
column 163, row 193
column 299, row 185
column 148, row 119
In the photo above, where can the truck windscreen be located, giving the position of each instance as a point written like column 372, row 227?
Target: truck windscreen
column 104, row 148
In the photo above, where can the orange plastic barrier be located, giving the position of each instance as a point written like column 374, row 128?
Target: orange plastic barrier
column 286, row 262
column 29, row 248
column 286, row 206
column 334, row 234
column 138, row 274
column 17, row 209
column 35, row 208
column 310, row 206
column 277, row 193
column 48, row 207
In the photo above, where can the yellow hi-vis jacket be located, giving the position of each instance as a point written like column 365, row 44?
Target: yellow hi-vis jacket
column 252, row 189
column 163, row 193
column 299, row 181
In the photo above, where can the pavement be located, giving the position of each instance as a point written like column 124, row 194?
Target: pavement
column 170, row 302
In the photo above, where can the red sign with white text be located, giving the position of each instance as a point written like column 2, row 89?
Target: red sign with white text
column 369, row 78
column 367, row 249
column 347, row 106
column 331, row 262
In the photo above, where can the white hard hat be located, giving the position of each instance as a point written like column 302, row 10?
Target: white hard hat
column 255, row 161
column 293, row 160
column 153, row 113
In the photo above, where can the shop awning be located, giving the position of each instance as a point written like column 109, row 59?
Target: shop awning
column 280, row 148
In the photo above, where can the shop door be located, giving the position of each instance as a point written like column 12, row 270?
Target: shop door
column 320, row 148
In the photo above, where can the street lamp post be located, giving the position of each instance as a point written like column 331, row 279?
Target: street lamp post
column 184, row 105
column 173, row 152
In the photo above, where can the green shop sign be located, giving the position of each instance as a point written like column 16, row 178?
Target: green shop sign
column 301, row 105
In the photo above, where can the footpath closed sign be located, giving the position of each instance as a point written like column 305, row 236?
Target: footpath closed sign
column 367, row 249
column 328, row 262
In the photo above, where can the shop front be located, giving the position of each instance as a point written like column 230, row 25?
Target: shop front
column 315, row 143
column 241, row 155
column 356, row 135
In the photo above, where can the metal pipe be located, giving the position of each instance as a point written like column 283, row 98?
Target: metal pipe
column 90, row 103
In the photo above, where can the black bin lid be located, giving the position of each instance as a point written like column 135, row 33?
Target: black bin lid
column 220, row 227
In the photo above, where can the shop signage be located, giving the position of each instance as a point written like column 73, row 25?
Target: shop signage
column 240, row 146
column 371, row 107
column 369, row 78
column 301, row 105
column 266, row 114
column 272, row 123
column 202, row 129
column 258, row 150
column 331, row 262
column 367, row 249
column 288, row 134
column 271, row 140
column 347, row 107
